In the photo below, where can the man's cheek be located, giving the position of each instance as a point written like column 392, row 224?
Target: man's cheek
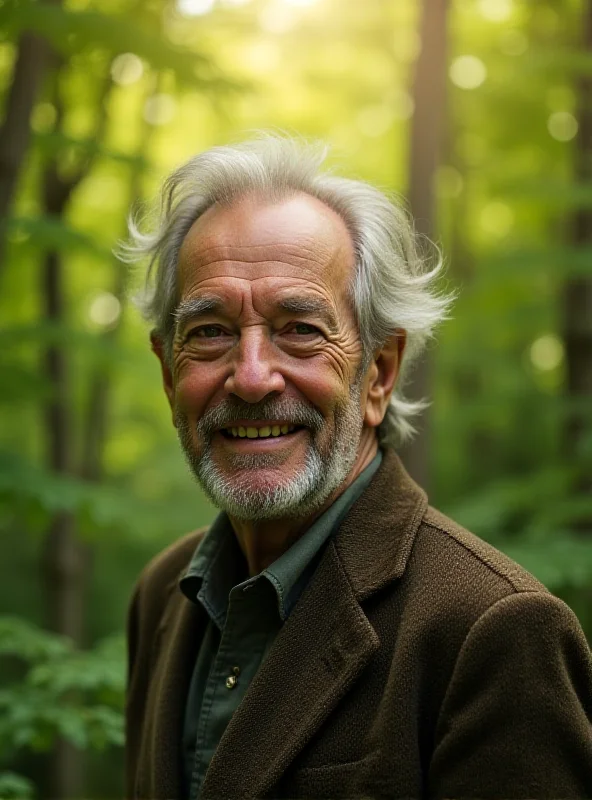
column 189, row 394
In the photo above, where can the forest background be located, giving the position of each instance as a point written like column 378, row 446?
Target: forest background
column 478, row 111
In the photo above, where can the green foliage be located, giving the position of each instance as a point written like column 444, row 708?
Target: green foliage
column 54, row 142
column 15, row 786
column 72, row 31
column 29, row 643
column 46, row 233
column 63, row 692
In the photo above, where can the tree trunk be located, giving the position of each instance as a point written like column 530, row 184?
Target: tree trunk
column 427, row 127
column 32, row 61
column 66, row 560
column 577, row 297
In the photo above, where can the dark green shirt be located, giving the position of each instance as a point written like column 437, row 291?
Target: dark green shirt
column 245, row 615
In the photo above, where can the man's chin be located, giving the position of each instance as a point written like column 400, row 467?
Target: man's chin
column 257, row 500
column 260, row 491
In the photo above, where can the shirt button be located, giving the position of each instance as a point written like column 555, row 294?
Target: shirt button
column 236, row 670
column 231, row 681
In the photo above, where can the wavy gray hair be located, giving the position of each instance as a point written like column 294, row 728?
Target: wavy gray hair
column 393, row 285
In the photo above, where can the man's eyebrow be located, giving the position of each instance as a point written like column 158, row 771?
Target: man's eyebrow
column 309, row 305
column 188, row 310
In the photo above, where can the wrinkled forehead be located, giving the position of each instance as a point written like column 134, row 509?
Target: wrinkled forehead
column 299, row 236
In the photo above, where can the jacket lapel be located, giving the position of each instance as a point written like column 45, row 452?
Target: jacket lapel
column 177, row 644
column 322, row 648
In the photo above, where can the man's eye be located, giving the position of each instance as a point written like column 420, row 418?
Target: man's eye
column 207, row 332
column 302, row 329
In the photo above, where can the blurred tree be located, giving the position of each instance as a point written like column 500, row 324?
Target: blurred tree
column 427, row 136
column 577, row 297
column 31, row 63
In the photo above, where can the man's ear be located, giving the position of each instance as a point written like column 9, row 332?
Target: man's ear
column 158, row 348
column 383, row 375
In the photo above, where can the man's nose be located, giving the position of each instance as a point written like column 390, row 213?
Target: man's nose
column 254, row 373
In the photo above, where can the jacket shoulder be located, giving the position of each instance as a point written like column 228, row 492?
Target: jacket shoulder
column 476, row 555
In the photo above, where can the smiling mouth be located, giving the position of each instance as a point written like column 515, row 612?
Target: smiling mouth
column 263, row 432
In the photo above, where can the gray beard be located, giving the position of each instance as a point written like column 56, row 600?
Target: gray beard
column 325, row 467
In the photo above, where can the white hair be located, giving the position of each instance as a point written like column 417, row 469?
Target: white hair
column 393, row 285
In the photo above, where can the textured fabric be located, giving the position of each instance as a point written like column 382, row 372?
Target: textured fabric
column 245, row 617
column 418, row 662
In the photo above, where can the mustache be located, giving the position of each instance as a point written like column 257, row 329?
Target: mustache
column 292, row 412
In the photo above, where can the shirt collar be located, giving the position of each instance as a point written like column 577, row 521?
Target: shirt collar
column 218, row 564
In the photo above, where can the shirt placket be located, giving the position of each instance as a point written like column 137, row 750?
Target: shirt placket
column 248, row 627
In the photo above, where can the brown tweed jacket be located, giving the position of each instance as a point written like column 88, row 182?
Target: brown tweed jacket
column 419, row 662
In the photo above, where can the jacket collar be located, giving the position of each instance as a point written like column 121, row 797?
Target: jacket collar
column 375, row 539
column 318, row 654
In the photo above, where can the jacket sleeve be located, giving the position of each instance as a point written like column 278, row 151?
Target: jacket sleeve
column 516, row 721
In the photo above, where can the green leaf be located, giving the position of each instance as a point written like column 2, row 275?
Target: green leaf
column 488, row 511
column 562, row 561
column 25, row 640
column 89, row 671
column 77, row 695
column 53, row 142
column 15, row 786
column 52, row 233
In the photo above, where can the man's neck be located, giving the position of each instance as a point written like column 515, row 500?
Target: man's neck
column 264, row 541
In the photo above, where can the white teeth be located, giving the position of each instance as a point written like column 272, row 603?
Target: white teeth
column 260, row 433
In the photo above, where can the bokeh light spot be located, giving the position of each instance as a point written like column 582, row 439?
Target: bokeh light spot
column 562, row 126
column 276, row 19
column 104, row 310
column 496, row 10
column 547, row 352
column 496, row 219
column 43, row 117
column 194, row 8
column 160, row 109
column 467, row 72
column 126, row 69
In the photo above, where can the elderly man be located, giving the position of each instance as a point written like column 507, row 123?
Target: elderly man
column 330, row 635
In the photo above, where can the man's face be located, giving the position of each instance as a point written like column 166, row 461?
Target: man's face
column 266, row 387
